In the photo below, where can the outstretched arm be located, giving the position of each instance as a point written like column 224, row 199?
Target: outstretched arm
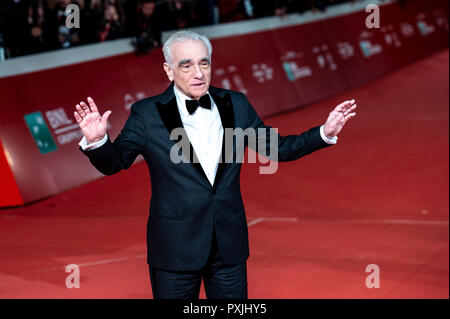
column 293, row 147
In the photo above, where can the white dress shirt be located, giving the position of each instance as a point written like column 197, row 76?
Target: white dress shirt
column 204, row 130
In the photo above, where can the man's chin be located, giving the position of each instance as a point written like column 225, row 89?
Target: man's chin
column 200, row 92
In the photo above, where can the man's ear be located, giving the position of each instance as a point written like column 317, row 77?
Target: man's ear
column 169, row 71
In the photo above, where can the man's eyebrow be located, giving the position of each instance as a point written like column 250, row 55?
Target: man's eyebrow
column 184, row 62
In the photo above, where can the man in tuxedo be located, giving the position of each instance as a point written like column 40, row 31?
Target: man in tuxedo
column 197, row 228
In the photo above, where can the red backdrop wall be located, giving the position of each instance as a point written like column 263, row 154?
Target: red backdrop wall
column 279, row 70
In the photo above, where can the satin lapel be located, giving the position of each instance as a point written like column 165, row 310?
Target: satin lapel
column 227, row 117
column 171, row 118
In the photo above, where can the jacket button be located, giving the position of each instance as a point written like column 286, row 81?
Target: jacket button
column 214, row 191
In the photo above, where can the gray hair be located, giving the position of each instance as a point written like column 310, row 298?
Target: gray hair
column 183, row 36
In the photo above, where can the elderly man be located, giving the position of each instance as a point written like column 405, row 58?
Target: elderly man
column 197, row 228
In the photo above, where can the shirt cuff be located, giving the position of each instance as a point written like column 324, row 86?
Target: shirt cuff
column 86, row 146
column 327, row 140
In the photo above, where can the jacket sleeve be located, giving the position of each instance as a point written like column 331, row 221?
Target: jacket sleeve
column 267, row 142
column 111, row 158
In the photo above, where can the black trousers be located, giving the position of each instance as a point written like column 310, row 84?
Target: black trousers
column 221, row 281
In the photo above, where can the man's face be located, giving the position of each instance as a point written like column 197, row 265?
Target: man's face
column 191, row 68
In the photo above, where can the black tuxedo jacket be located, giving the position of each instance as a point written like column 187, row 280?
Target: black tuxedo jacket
column 185, row 209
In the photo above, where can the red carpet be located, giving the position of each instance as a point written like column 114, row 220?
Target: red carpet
column 378, row 197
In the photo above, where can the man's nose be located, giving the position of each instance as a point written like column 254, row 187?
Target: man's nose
column 198, row 72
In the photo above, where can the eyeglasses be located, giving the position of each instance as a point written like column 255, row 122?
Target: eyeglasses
column 190, row 67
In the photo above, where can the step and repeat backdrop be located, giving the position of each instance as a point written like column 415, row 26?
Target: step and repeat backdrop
column 278, row 70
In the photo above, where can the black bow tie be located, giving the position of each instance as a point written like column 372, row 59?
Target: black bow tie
column 192, row 105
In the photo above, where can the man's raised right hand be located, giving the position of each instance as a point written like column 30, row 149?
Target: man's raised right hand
column 92, row 125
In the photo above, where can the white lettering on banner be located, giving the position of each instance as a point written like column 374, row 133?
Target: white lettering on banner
column 64, row 128
column 66, row 138
column 290, row 55
column 324, row 57
column 57, row 118
column 366, row 35
column 441, row 20
column 407, row 29
column 390, row 36
column 220, row 72
column 226, row 84
column 129, row 99
column 237, row 80
column 262, row 72
column 231, row 79
column 346, row 50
